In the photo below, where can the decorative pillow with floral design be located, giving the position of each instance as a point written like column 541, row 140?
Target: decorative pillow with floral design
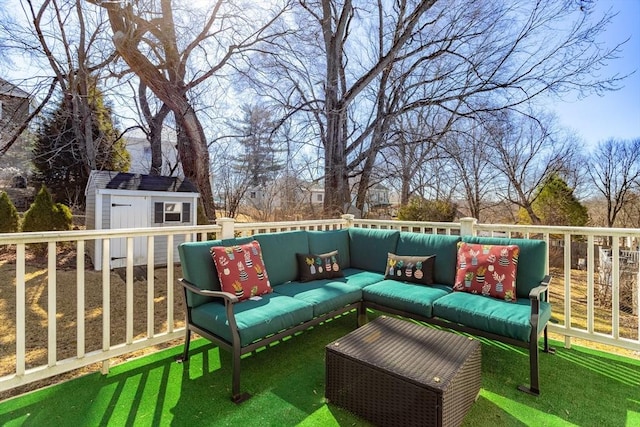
column 488, row 270
column 322, row 266
column 241, row 270
column 416, row 269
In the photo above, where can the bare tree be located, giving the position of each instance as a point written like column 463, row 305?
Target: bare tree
column 67, row 38
column 469, row 148
column 157, row 44
column 451, row 56
column 615, row 173
column 526, row 152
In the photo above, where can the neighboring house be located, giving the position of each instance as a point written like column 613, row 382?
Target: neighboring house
column 118, row 200
column 140, row 151
column 15, row 106
column 378, row 196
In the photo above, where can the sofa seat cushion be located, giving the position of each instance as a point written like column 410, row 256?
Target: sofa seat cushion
column 490, row 314
column 407, row 297
column 362, row 278
column 255, row 319
column 324, row 295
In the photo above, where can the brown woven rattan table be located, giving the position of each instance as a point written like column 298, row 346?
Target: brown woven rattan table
column 397, row 373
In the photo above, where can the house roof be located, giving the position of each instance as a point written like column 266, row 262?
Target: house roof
column 139, row 182
column 9, row 89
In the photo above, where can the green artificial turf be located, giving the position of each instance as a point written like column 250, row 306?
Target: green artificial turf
column 579, row 387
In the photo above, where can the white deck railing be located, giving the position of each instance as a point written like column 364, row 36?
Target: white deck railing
column 579, row 308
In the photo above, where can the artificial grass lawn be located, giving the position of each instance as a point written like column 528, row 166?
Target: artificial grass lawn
column 579, row 387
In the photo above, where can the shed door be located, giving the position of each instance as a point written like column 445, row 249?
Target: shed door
column 129, row 212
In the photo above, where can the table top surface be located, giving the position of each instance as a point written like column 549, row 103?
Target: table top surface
column 419, row 353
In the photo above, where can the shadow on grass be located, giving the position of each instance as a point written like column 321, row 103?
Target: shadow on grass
column 287, row 383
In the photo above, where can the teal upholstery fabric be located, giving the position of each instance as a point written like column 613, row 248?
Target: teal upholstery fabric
column 408, row 297
column 369, row 248
column 279, row 254
column 531, row 263
column 199, row 269
column 255, row 319
column 491, row 314
column 321, row 242
column 324, row 295
column 443, row 246
column 361, row 278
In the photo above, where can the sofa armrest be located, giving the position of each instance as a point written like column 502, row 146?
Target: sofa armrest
column 540, row 290
column 228, row 297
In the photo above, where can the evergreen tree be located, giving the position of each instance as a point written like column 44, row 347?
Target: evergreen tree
column 61, row 160
column 555, row 204
column 9, row 218
column 45, row 215
column 260, row 146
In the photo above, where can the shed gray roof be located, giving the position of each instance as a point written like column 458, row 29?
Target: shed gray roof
column 139, row 182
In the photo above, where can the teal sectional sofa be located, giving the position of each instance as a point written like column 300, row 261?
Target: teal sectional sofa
column 362, row 254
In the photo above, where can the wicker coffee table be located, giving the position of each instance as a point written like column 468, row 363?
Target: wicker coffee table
column 398, row 373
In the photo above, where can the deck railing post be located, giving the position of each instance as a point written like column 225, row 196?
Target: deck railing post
column 348, row 218
column 467, row 226
column 228, row 229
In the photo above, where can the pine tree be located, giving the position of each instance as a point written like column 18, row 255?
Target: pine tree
column 555, row 204
column 260, row 146
column 9, row 218
column 61, row 160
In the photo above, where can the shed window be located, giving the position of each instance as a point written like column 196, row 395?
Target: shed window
column 172, row 212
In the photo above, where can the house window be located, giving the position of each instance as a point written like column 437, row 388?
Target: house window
column 252, row 195
column 319, row 197
column 167, row 212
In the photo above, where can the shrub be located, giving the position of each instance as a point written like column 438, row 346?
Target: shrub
column 44, row 215
column 9, row 218
column 419, row 209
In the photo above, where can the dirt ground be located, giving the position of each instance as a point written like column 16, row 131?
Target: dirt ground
column 66, row 309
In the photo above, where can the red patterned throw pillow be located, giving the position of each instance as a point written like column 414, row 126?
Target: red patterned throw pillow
column 487, row 269
column 241, row 270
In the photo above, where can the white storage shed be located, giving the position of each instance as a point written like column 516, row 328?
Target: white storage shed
column 125, row 200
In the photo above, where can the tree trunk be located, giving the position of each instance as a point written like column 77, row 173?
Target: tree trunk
column 194, row 154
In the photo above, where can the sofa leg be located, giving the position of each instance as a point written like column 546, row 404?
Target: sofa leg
column 362, row 315
column 547, row 349
column 236, row 396
column 534, row 375
column 187, row 342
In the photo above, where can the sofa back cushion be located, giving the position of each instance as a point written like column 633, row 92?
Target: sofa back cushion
column 532, row 260
column 279, row 254
column 369, row 248
column 443, row 246
column 321, row 242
